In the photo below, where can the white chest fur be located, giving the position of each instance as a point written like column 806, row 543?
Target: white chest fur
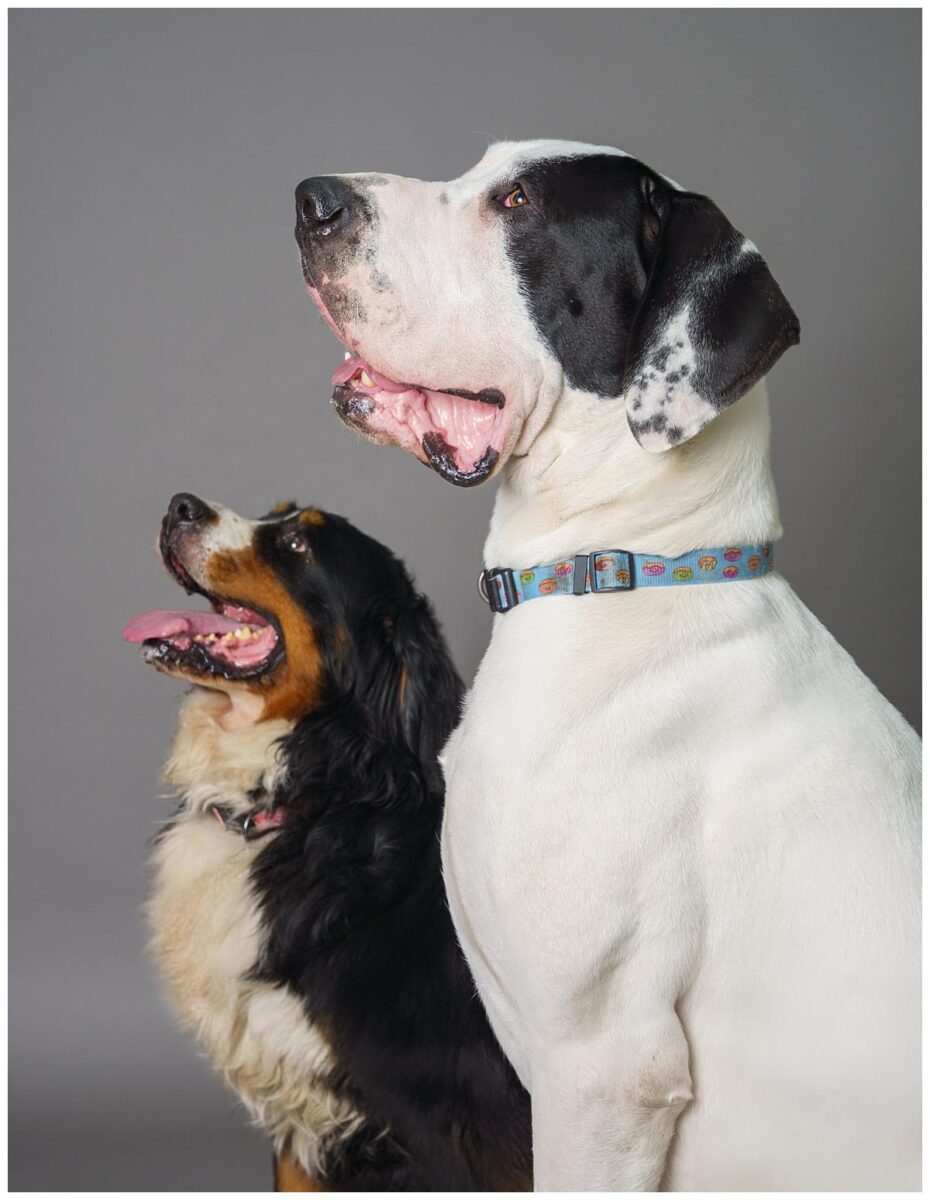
column 206, row 938
column 692, row 804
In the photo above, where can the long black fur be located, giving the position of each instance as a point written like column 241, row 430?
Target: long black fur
column 351, row 889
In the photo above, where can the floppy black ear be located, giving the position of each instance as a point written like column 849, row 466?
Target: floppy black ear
column 711, row 322
column 408, row 682
column 431, row 691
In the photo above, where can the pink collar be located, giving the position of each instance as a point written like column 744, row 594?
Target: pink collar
column 251, row 825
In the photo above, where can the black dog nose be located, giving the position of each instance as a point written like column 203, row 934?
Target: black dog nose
column 187, row 510
column 325, row 205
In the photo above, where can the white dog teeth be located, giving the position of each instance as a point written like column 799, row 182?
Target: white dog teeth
column 244, row 633
column 366, row 379
column 347, row 356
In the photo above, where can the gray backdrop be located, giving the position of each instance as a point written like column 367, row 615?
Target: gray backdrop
column 161, row 340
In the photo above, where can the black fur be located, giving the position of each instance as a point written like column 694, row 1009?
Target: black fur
column 582, row 260
column 608, row 252
column 351, row 889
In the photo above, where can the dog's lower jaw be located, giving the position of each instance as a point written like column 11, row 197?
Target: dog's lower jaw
column 245, row 708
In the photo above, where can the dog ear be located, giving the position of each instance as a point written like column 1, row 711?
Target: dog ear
column 710, row 323
column 422, row 694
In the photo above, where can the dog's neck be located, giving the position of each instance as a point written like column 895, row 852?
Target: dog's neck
column 211, row 764
column 585, row 484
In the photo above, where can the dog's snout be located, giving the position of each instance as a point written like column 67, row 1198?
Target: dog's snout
column 325, row 205
column 187, row 511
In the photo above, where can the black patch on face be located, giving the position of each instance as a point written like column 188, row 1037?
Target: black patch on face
column 610, row 257
column 580, row 254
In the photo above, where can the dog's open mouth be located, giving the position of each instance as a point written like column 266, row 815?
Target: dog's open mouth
column 459, row 433
column 231, row 642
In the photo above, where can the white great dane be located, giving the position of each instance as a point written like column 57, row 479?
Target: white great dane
column 681, row 841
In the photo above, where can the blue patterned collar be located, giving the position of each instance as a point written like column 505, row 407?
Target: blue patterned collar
column 503, row 588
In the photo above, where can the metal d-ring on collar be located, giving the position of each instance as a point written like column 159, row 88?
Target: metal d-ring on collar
column 250, row 825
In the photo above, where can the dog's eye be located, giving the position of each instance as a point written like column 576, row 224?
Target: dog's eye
column 295, row 540
column 515, row 199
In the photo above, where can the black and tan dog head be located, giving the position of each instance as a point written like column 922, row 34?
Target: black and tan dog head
column 305, row 611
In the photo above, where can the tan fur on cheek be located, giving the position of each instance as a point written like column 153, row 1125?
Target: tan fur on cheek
column 294, row 687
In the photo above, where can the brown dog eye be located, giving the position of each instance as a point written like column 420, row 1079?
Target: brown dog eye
column 515, row 199
column 296, row 541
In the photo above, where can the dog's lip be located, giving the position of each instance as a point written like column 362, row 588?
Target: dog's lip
column 459, row 437
column 355, row 367
column 324, row 311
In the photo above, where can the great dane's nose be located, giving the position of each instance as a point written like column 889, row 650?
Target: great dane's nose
column 187, row 511
column 325, row 206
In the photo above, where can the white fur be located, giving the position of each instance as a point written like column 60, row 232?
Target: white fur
column 231, row 532
column 681, row 833
column 681, row 843
column 206, row 938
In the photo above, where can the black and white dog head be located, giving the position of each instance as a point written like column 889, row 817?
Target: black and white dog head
column 469, row 307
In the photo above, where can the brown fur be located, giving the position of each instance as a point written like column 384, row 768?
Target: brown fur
column 289, row 1176
column 292, row 688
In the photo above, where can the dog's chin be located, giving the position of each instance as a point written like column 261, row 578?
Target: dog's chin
column 458, row 432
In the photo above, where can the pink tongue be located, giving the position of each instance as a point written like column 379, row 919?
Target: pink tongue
column 165, row 623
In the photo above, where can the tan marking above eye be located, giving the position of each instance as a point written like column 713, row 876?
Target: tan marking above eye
column 285, row 506
column 311, row 516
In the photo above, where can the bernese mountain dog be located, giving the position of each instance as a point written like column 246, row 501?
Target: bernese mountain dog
column 297, row 911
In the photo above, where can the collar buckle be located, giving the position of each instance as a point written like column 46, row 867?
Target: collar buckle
column 499, row 589
column 618, row 571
